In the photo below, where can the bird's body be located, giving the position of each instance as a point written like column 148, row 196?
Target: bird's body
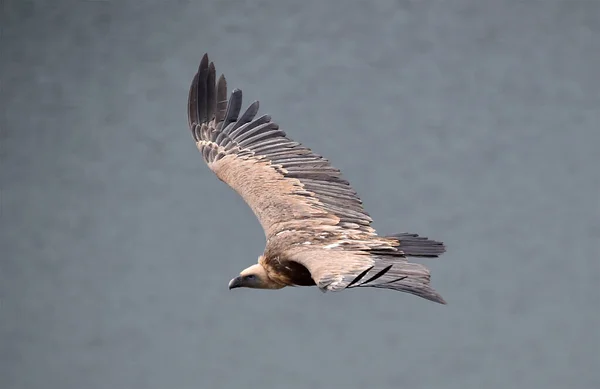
column 316, row 228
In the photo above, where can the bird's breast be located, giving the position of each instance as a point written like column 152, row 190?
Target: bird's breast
column 288, row 272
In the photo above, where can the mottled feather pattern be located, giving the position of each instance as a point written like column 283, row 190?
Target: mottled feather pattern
column 313, row 220
column 247, row 136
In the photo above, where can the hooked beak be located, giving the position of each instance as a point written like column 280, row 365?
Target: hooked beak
column 235, row 283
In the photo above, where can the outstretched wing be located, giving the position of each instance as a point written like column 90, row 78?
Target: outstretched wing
column 309, row 213
column 285, row 184
column 337, row 270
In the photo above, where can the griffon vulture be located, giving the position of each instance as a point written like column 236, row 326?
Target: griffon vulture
column 316, row 229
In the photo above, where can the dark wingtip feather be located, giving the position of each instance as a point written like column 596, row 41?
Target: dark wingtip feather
column 202, row 95
column 211, row 92
column 193, row 103
column 234, row 106
column 197, row 97
column 221, row 99
column 246, row 118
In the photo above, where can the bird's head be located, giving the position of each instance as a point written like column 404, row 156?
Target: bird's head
column 255, row 277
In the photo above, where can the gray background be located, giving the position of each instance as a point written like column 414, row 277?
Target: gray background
column 476, row 123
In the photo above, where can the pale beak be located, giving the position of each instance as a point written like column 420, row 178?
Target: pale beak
column 235, row 283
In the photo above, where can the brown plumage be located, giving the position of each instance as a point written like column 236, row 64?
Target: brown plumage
column 316, row 228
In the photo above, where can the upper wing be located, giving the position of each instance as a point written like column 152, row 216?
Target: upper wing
column 309, row 214
column 286, row 185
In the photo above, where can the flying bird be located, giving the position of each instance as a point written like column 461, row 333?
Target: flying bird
column 317, row 232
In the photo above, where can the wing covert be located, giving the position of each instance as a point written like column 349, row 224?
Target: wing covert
column 287, row 186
